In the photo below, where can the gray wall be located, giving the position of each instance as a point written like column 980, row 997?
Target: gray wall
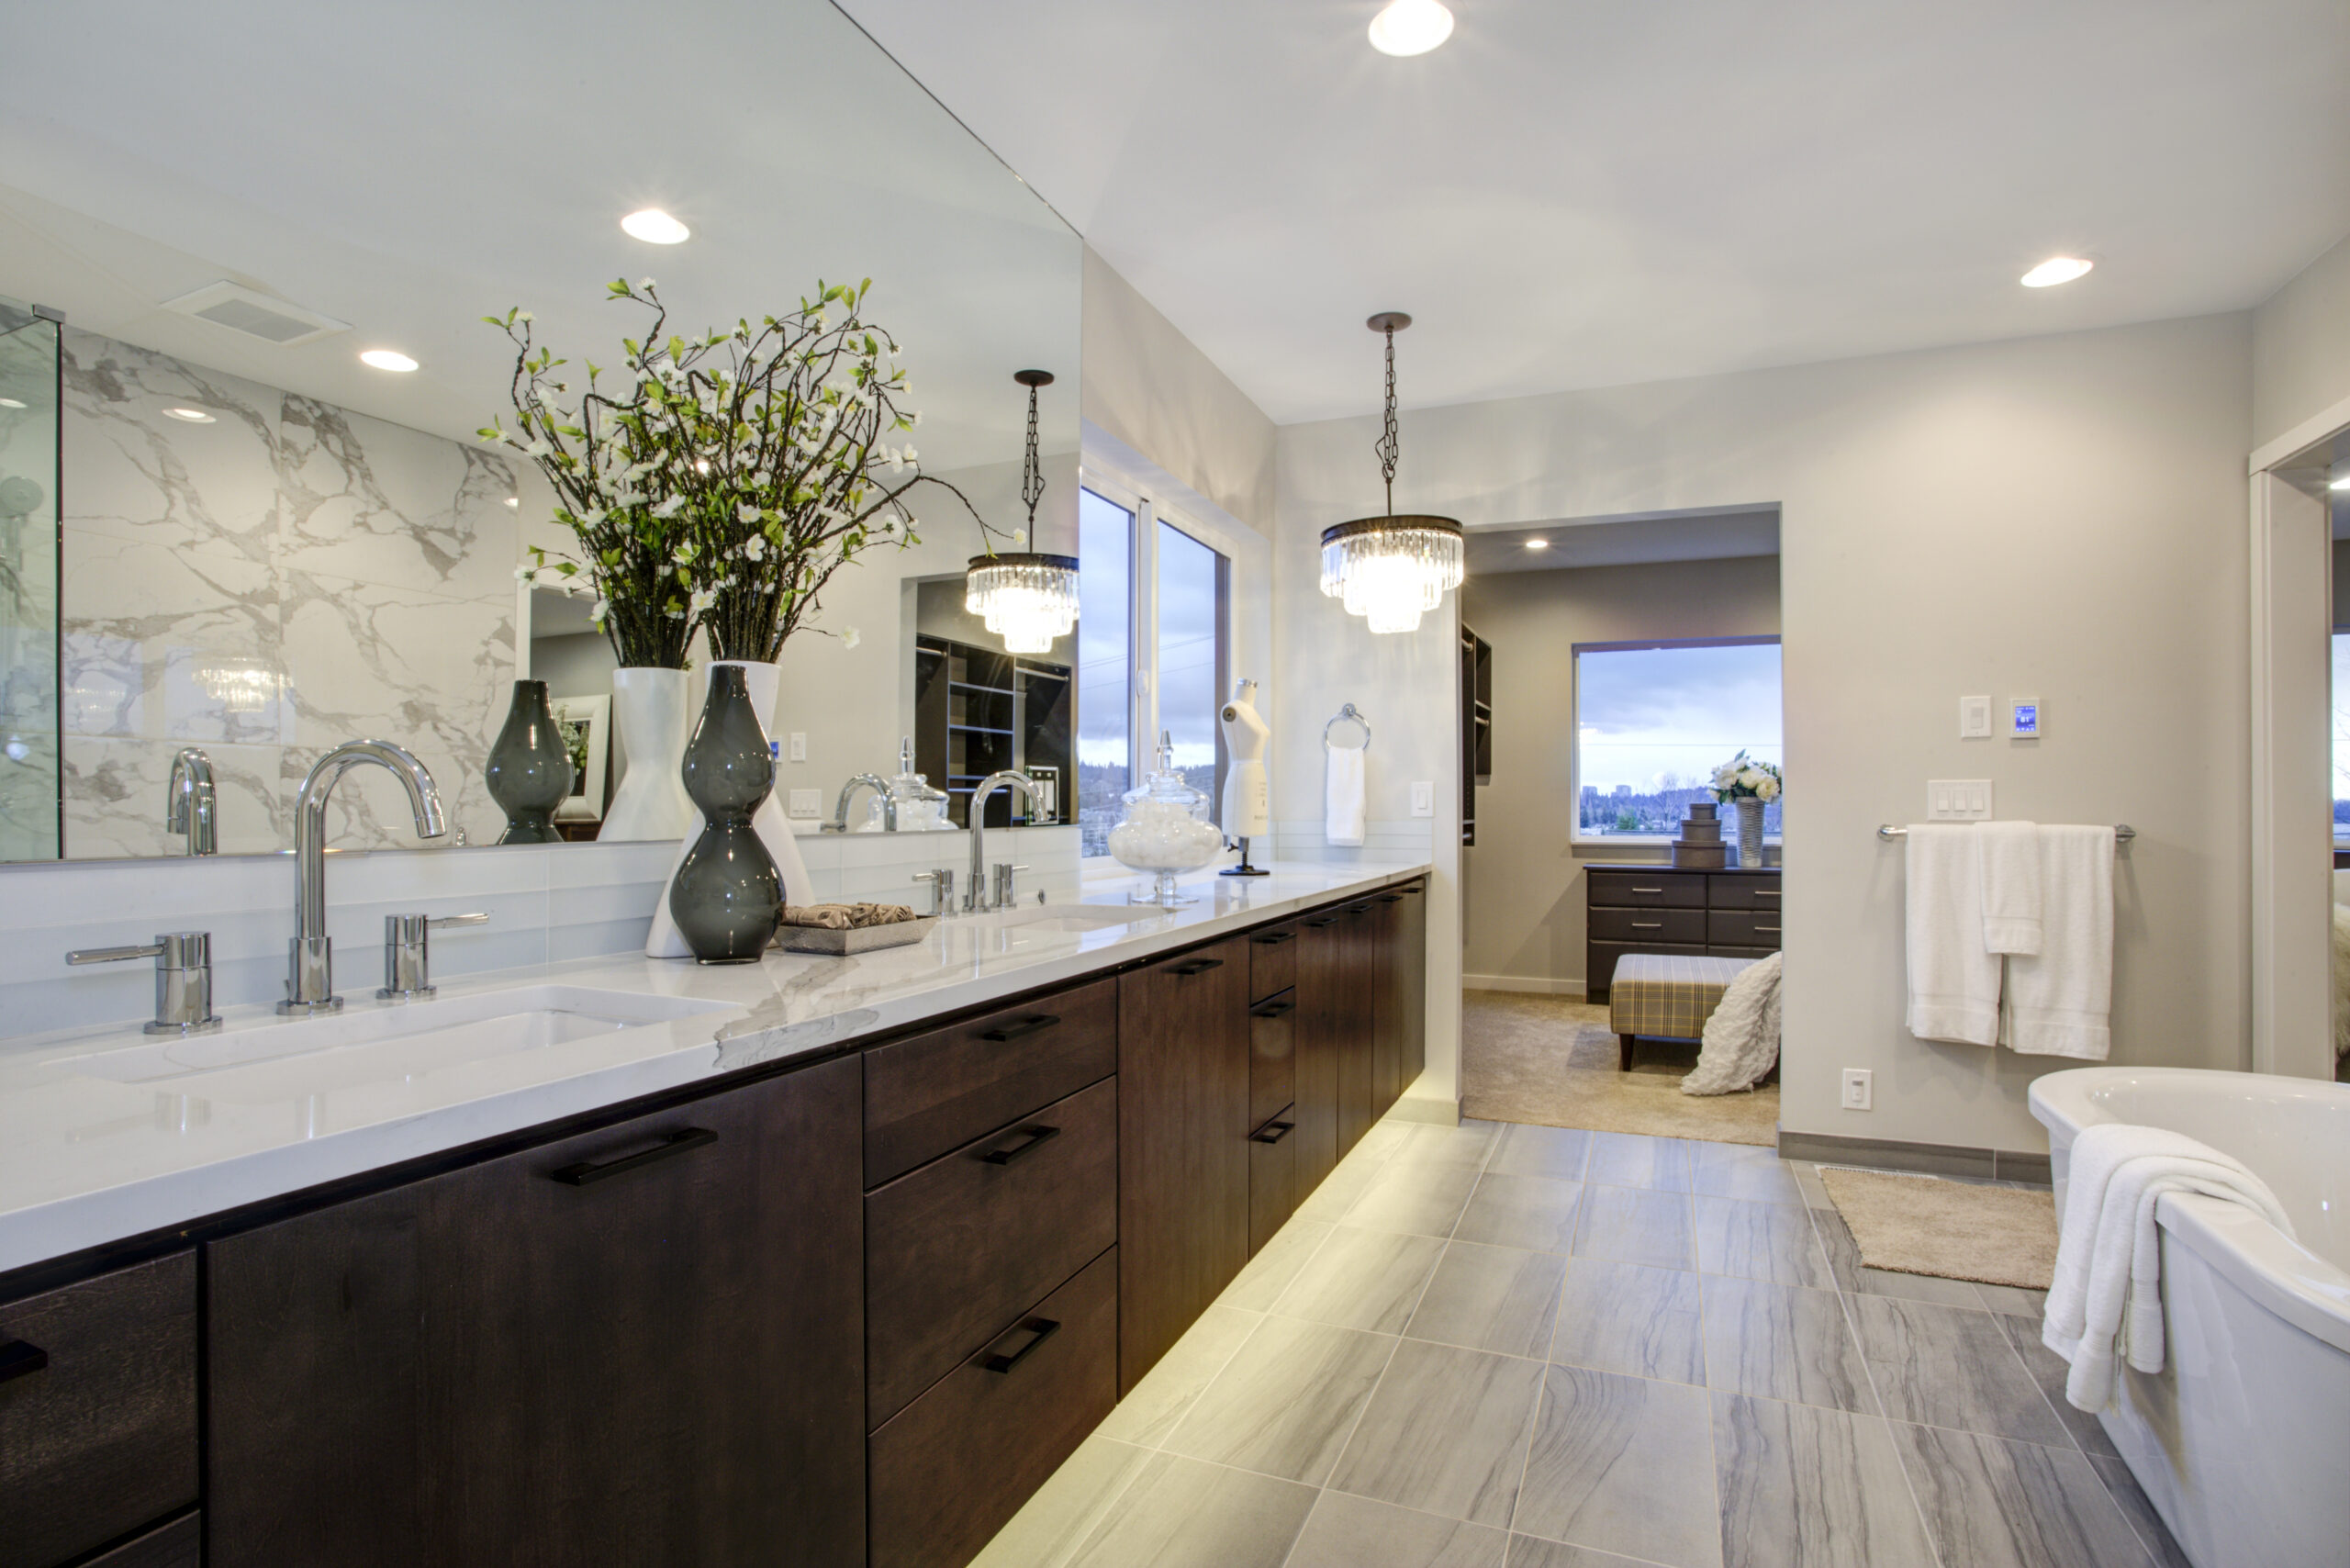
column 1522, row 923
column 2301, row 347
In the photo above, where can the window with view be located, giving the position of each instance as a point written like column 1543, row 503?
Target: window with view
column 2342, row 738
column 1192, row 583
column 1105, row 665
column 1654, row 720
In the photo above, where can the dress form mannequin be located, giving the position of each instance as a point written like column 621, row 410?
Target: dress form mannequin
column 1248, row 800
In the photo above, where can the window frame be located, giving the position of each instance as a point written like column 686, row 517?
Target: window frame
column 1576, row 837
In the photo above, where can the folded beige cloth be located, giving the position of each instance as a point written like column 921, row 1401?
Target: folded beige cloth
column 845, row 916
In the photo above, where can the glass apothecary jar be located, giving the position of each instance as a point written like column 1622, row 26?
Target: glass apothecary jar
column 1164, row 831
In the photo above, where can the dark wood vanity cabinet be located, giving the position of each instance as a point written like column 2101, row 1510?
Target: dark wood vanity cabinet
column 98, row 1411
column 1183, row 1144
column 643, row 1344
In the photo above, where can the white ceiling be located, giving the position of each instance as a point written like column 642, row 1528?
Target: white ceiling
column 1575, row 194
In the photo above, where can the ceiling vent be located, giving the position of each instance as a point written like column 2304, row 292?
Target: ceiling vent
column 240, row 309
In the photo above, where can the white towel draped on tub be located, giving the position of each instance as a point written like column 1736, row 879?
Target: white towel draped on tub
column 1342, row 796
column 2107, row 1294
column 2060, row 998
column 1953, row 979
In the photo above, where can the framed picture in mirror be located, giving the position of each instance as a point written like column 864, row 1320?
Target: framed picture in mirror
column 587, row 725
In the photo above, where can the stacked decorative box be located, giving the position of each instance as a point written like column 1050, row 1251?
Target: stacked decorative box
column 1700, row 846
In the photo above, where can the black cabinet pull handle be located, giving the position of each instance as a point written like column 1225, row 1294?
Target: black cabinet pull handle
column 1196, row 967
column 1274, row 938
column 1391, row 898
column 1272, row 1132
column 1413, row 890
column 1034, row 1135
column 1271, row 1009
column 1003, row 1032
column 1043, row 1328
column 20, row 1359
column 1318, row 924
column 587, row 1171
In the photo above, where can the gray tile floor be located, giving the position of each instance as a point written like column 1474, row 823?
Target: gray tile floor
column 1517, row 1346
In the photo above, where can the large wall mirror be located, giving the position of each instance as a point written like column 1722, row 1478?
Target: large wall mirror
column 221, row 529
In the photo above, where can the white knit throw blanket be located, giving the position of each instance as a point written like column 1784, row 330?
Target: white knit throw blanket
column 1742, row 1039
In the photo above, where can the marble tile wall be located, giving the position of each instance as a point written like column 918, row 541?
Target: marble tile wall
column 287, row 577
column 29, row 763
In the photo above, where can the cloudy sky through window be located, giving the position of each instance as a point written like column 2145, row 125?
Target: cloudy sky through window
column 1647, row 715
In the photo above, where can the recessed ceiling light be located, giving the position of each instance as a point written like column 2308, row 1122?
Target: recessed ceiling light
column 388, row 359
column 1410, row 26
column 10, row 403
column 2056, row 270
column 656, row 227
column 513, row 501
column 1538, row 544
column 193, row 416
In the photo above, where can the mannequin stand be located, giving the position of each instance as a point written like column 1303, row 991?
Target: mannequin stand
column 1244, row 868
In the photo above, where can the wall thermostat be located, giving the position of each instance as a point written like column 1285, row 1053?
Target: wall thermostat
column 2023, row 719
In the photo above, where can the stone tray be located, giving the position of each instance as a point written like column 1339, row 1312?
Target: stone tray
column 857, row 940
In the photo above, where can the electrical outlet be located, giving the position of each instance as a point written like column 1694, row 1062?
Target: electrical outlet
column 1958, row 799
column 1423, row 797
column 798, row 747
column 805, row 803
column 1857, row 1091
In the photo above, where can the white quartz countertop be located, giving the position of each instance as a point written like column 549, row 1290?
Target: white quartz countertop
column 107, row 1134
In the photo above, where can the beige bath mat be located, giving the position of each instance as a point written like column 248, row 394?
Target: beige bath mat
column 1958, row 1230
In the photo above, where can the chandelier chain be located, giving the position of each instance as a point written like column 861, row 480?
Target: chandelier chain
column 1031, row 469
column 1389, row 446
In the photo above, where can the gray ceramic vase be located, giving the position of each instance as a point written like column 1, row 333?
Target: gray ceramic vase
column 727, row 895
column 529, row 772
column 1750, row 834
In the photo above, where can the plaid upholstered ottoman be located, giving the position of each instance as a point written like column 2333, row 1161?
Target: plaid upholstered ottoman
column 1666, row 998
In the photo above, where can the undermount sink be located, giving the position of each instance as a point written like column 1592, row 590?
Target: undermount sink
column 1072, row 917
column 269, row 1058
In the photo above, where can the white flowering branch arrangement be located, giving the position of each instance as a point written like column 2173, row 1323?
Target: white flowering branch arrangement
column 738, row 472
column 1742, row 778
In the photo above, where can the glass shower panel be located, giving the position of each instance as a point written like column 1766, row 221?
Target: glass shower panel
column 31, row 820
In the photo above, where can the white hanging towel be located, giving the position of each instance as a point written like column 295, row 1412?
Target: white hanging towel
column 2011, row 859
column 1342, row 794
column 2060, row 1000
column 2107, row 1294
column 1953, row 979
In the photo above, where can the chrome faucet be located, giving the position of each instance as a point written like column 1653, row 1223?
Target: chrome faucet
column 309, row 978
column 975, row 896
column 191, row 805
column 881, row 787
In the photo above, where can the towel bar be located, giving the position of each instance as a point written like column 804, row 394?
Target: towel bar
column 2122, row 831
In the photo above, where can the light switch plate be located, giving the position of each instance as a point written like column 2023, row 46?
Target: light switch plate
column 1423, row 797
column 2023, row 718
column 1958, row 799
column 805, row 803
column 1974, row 718
column 798, row 747
column 1858, row 1090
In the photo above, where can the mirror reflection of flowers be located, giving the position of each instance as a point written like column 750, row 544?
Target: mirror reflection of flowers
column 1743, row 779
column 718, row 482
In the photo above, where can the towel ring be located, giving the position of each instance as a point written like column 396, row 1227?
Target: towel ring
column 1343, row 715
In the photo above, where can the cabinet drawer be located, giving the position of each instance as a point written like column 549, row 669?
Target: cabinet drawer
column 1643, row 925
column 1272, row 1176
column 957, row 1249
column 1272, row 961
column 1272, row 1054
column 1742, row 893
column 1742, row 928
column 939, row 1091
column 952, row 1467
column 1602, row 956
column 1647, row 889
column 98, row 1410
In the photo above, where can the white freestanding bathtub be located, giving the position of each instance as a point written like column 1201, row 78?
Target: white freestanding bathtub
column 2242, row 1440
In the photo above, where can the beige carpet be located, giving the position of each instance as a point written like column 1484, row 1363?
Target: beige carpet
column 1551, row 1059
column 1958, row 1230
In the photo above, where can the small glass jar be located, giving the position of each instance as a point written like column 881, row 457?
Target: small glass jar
column 1164, row 831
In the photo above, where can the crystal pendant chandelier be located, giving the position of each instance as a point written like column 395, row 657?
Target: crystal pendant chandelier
column 1391, row 570
column 1029, row 599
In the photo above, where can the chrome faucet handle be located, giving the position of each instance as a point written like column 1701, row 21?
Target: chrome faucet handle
column 1004, row 896
column 182, row 978
column 942, row 890
column 407, row 956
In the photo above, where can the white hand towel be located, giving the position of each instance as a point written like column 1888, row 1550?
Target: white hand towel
column 2060, row 1000
column 1342, row 795
column 2010, row 886
column 2107, row 1292
column 1953, row 980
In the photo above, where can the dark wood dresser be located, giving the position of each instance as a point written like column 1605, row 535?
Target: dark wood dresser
column 1658, row 909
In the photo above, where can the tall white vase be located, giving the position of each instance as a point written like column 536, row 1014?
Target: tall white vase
column 765, row 682
column 653, row 711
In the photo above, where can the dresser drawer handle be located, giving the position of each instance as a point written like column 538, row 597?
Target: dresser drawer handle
column 1764, row 892
column 1196, row 967
column 1648, row 925
column 1026, row 1026
column 1034, row 1136
column 1272, row 1132
column 1648, row 890
column 1771, row 928
column 1043, row 1328
column 20, row 1359
column 587, row 1171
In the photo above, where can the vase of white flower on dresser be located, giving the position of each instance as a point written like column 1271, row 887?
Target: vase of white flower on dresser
column 1752, row 786
column 761, row 460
